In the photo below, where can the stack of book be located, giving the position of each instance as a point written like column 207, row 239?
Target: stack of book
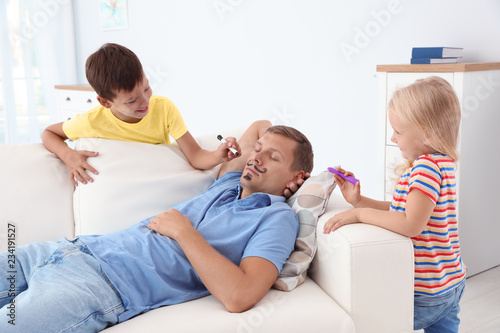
column 436, row 55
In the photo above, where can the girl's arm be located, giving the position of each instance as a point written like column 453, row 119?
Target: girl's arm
column 366, row 202
column 410, row 223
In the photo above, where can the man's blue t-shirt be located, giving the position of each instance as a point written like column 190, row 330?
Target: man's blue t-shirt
column 150, row 270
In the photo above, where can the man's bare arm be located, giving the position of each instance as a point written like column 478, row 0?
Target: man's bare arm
column 247, row 144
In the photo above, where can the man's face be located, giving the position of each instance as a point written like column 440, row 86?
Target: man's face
column 268, row 166
column 131, row 106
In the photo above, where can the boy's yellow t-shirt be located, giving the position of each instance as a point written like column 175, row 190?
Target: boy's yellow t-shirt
column 163, row 120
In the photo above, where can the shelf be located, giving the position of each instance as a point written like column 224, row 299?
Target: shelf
column 83, row 87
column 428, row 68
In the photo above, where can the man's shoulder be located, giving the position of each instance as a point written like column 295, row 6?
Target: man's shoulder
column 282, row 209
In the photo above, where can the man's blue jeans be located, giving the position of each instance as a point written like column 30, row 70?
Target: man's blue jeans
column 438, row 314
column 58, row 287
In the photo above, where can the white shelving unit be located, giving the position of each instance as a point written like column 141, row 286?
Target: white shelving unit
column 74, row 99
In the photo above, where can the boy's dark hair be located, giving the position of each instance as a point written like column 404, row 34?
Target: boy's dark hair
column 303, row 152
column 113, row 68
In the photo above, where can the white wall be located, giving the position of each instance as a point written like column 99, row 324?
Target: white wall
column 309, row 64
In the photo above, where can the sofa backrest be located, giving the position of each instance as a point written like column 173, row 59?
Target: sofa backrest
column 136, row 181
column 35, row 195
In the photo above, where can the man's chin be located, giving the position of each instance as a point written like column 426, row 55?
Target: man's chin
column 246, row 176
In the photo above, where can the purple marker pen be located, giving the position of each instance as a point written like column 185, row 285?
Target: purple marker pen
column 348, row 178
column 235, row 152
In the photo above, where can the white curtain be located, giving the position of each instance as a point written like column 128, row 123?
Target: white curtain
column 37, row 52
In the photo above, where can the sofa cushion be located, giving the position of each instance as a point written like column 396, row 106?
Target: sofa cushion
column 309, row 202
column 136, row 181
column 305, row 309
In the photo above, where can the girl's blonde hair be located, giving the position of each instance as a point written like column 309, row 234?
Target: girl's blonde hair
column 431, row 107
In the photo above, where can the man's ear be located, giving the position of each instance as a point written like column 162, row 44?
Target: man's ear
column 104, row 102
column 294, row 184
column 300, row 175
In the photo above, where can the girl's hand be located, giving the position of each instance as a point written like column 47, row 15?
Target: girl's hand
column 348, row 217
column 351, row 193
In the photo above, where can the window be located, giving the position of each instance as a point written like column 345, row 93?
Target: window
column 30, row 65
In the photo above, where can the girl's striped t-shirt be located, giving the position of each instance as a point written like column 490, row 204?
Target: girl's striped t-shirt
column 438, row 264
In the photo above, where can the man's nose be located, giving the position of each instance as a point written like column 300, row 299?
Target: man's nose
column 258, row 158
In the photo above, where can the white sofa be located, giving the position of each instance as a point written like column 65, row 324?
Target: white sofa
column 361, row 279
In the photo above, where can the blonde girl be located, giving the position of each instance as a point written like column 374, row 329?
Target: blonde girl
column 425, row 117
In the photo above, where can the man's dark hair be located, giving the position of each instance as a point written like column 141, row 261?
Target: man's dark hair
column 303, row 152
column 113, row 68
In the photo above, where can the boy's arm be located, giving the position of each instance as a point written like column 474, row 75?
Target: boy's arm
column 203, row 159
column 237, row 287
column 76, row 161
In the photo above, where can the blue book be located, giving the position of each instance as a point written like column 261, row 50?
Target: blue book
column 437, row 52
column 433, row 60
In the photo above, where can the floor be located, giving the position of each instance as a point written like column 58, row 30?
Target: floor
column 480, row 304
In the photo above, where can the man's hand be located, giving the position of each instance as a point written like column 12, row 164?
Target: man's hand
column 293, row 187
column 170, row 223
column 76, row 162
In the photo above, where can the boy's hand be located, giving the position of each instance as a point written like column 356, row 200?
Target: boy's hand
column 293, row 187
column 225, row 153
column 76, row 162
column 351, row 193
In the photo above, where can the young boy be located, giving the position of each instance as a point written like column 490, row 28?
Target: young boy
column 128, row 112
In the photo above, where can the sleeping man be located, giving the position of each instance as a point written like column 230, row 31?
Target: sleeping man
column 231, row 241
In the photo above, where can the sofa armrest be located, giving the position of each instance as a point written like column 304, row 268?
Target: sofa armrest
column 368, row 271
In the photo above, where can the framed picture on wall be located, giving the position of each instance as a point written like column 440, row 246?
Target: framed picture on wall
column 113, row 14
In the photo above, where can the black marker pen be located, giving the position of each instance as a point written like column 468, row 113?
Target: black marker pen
column 235, row 152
